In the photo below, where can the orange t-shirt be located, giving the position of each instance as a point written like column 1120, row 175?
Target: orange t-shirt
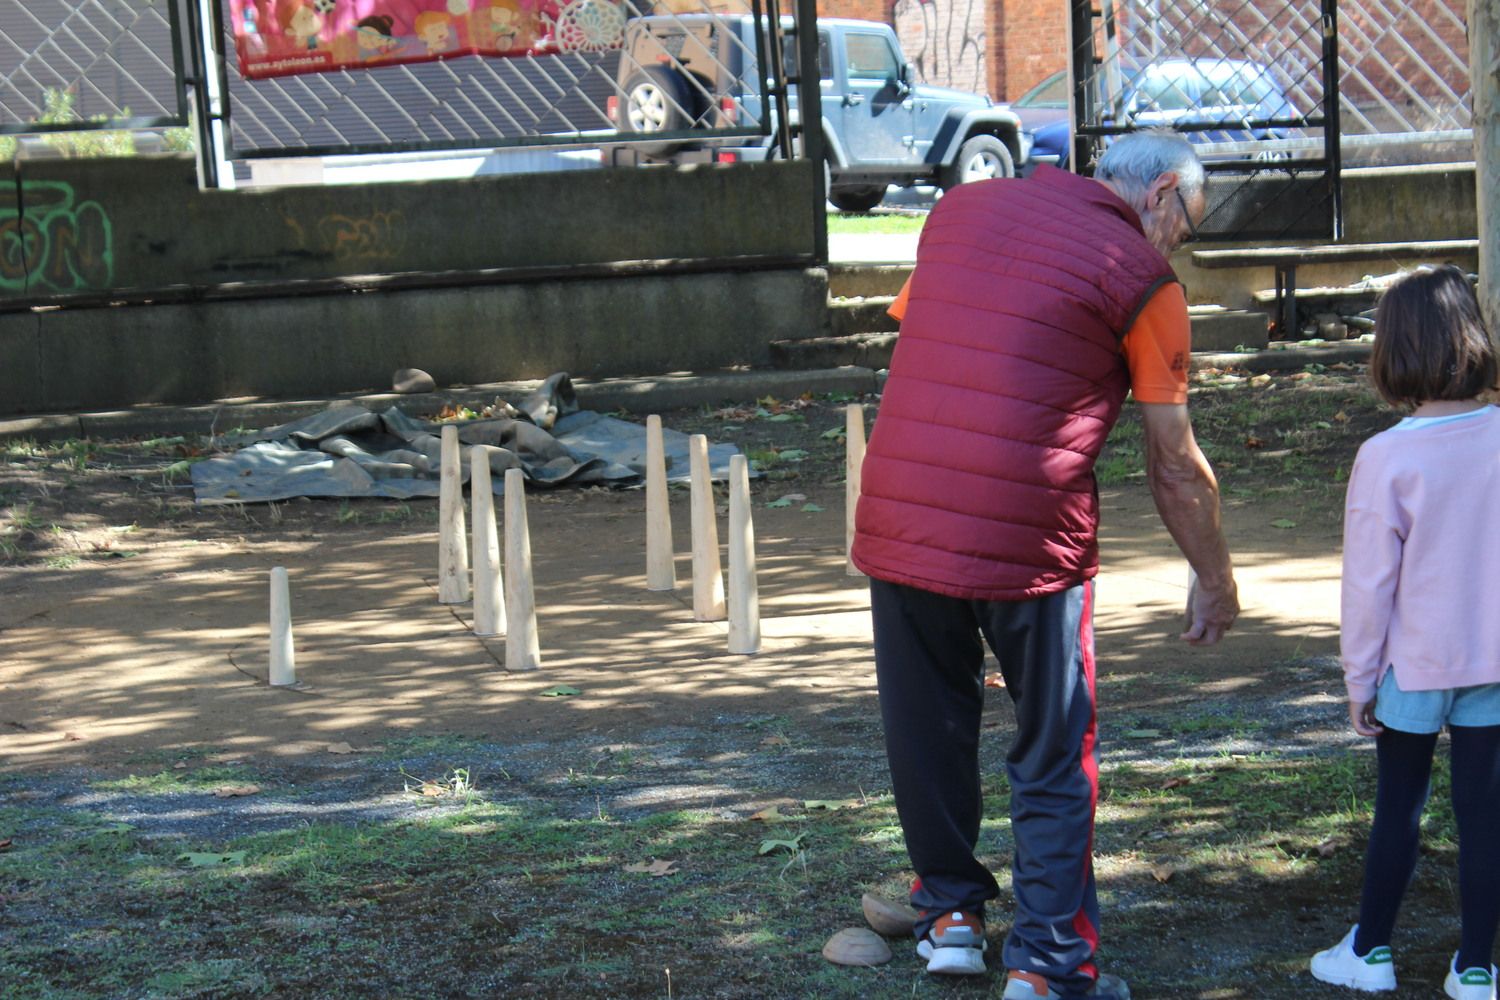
column 1156, row 348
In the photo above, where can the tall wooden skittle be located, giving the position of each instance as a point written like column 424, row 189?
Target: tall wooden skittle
column 522, row 651
column 661, row 571
column 453, row 555
column 744, row 595
column 708, row 578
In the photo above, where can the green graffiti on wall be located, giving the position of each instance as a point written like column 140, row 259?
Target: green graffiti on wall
column 56, row 243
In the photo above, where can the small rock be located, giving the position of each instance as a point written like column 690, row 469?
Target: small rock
column 412, row 380
column 1331, row 326
column 857, row 946
column 888, row 918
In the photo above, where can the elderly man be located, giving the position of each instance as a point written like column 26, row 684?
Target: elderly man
column 1035, row 306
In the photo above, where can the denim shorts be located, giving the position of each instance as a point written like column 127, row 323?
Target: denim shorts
column 1429, row 711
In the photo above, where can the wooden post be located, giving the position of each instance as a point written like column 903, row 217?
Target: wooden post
column 453, row 556
column 744, row 596
column 489, row 595
column 661, row 571
column 283, row 659
column 708, row 580
column 854, row 460
column 1484, row 77
column 521, row 648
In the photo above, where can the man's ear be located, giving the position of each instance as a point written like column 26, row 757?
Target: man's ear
column 1160, row 188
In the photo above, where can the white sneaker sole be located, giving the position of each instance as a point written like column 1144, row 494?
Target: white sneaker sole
column 1351, row 982
column 952, row 961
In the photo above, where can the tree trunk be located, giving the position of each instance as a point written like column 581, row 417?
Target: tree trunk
column 1484, row 65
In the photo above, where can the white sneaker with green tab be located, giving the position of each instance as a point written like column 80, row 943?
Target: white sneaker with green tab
column 1470, row 984
column 1340, row 966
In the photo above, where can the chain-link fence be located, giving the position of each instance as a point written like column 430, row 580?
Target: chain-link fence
column 79, row 64
column 695, row 73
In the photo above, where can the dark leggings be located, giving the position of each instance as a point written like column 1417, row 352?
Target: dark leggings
column 1405, row 772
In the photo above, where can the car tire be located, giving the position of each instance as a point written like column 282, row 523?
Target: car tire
column 980, row 157
column 657, row 99
column 856, row 199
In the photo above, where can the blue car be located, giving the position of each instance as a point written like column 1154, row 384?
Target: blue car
column 1170, row 93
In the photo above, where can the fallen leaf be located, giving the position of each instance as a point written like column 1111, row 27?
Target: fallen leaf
column 1341, row 417
column 561, row 691
column 656, row 868
column 1163, row 873
column 1254, row 442
column 1142, row 734
column 1176, row 782
column 181, row 765
column 432, row 790
column 994, row 680
column 812, row 508
column 198, row 860
column 793, row 846
column 235, row 791
column 6, row 844
column 1283, row 523
column 833, row 433
column 340, row 747
column 1327, row 848
column 795, row 497
column 776, row 740
column 72, row 737
column 783, row 502
column 770, row 814
column 792, row 455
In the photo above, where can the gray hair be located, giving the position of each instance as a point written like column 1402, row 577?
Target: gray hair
column 1133, row 161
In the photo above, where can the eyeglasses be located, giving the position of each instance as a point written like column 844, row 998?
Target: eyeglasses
column 1192, row 229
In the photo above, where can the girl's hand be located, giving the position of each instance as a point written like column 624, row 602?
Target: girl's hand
column 1362, row 717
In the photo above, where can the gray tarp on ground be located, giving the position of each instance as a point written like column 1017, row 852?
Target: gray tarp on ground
column 350, row 451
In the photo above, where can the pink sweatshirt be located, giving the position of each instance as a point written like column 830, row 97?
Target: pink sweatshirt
column 1421, row 591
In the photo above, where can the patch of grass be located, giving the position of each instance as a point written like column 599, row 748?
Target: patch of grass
column 192, row 779
column 875, row 222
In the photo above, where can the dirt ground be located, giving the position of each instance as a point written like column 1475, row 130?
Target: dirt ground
column 134, row 619
column 133, row 633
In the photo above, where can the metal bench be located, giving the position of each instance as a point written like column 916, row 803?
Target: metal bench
column 1285, row 261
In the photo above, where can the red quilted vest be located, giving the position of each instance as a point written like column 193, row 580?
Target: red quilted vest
column 978, row 480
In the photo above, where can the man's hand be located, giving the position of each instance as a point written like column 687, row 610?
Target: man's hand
column 1187, row 498
column 1362, row 717
column 1211, row 612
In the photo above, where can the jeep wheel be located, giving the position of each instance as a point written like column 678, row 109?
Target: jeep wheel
column 856, row 199
column 979, row 158
column 658, row 100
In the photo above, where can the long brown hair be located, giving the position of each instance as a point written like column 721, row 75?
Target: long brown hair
column 1430, row 340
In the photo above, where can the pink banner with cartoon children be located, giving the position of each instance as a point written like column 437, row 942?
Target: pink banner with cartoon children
column 284, row 37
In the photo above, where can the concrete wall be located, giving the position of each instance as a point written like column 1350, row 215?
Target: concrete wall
column 501, row 277
column 1381, row 205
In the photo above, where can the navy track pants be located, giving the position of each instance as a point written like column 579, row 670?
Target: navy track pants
column 930, row 664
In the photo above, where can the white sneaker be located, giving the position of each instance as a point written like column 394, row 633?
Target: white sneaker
column 955, row 945
column 1470, row 984
column 1341, row 967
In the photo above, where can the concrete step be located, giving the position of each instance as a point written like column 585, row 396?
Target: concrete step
column 867, row 350
column 847, row 317
column 864, row 280
column 1218, row 329
column 1214, row 327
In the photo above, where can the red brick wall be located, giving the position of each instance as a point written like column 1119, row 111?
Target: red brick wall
column 1033, row 35
column 864, row 10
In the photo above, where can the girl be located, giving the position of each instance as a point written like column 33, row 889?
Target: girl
column 1421, row 636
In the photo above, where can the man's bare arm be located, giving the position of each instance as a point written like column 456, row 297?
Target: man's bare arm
column 1187, row 498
